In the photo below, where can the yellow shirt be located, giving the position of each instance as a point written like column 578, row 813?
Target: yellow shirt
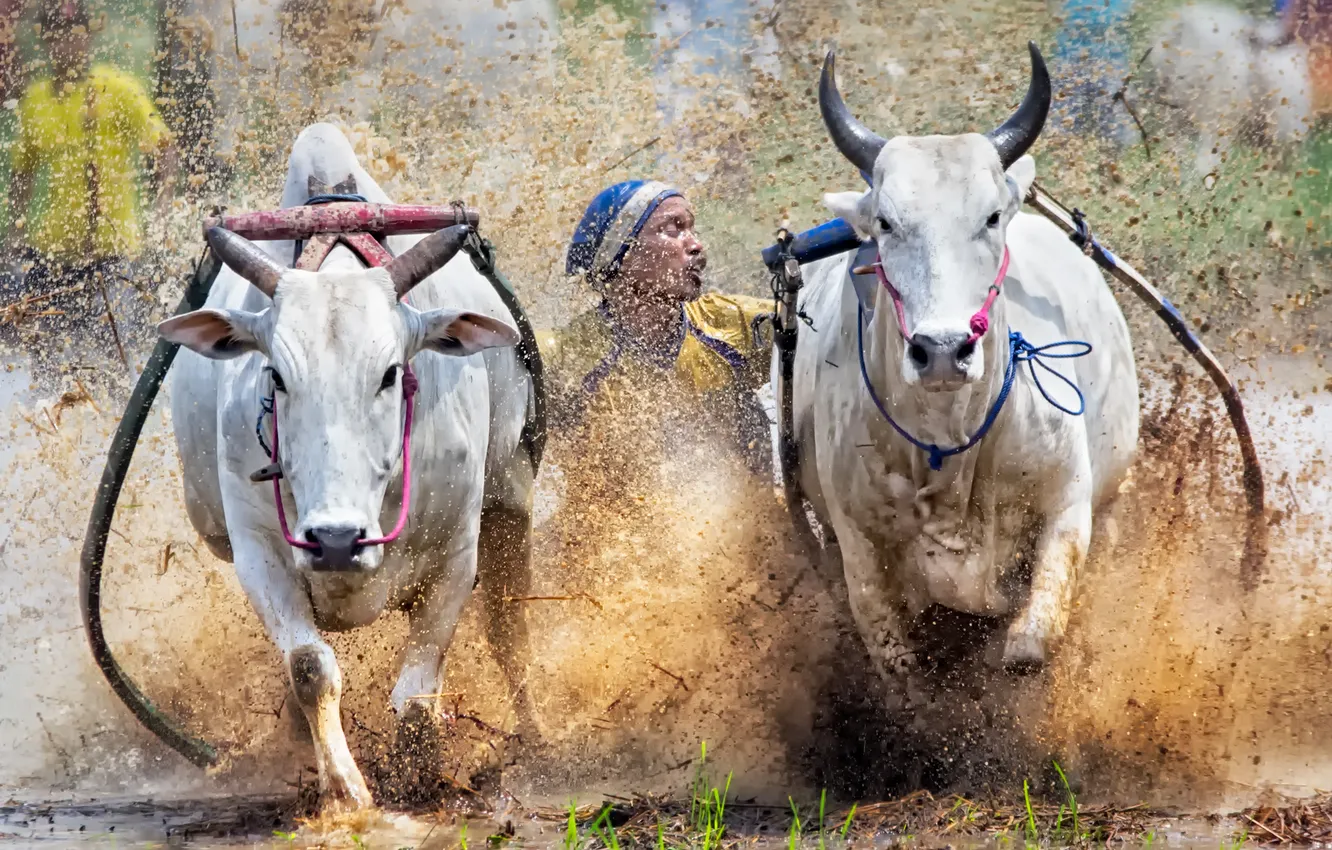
column 721, row 359
column 54, row 135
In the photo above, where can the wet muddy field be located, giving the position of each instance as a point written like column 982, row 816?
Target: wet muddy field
column 671, row 606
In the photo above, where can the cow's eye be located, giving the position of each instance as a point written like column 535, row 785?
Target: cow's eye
column 390, row 378
column 277, row 381
column 993, row 220
column 884, row 225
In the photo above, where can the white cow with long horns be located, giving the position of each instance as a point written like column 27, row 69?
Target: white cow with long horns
column 338, row 351
column 947, row 472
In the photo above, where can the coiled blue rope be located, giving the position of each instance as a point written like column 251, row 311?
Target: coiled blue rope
column 1019, row 351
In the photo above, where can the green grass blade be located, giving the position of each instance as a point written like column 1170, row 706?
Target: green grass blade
column 847, row 823
column 823, row 805
column 571, row 830
column 1031, row 816
column 1072, row 802
column 605, row 830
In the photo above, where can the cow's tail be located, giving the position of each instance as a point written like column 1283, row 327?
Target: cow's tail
column 118, row 460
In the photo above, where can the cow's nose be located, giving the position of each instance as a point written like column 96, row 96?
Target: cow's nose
column 941, row 356
column 338, row 547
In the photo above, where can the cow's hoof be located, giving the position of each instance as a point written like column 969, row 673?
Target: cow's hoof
column 1024, row 653
column 346, row 791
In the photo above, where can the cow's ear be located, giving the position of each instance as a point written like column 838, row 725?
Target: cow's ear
column 851, row 208
column 216, row 334
column 461, row 333
column 1023, row 173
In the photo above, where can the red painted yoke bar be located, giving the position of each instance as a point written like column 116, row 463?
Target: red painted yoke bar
column 341, row 217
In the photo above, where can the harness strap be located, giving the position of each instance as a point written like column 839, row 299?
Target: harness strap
column 482, row 253
column 980, row 320
column 326, row 198
column 1019, row 350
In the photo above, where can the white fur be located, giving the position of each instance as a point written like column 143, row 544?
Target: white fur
column 332, row 335
column 911, row 537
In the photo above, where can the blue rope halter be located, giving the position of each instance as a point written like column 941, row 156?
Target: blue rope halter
column 1019, row 350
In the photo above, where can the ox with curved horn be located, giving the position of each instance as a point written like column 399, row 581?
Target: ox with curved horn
column 1019, row 132
column 422, row 260
column 246, row 259
column 861, row 145
column 426, row 257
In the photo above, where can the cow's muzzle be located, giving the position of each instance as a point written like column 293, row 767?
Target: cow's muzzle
column 337, row 548
column 942, row 361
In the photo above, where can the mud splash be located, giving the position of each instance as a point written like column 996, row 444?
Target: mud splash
column 678, row 610
column 1179, row 686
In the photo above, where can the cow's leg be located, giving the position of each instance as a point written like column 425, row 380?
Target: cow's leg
column 1060, row 552
column 875, row 605
column 284, row 607
column 432, row 620
column 506, row 574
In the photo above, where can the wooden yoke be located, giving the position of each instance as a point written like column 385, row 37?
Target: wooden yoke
column 352, row 222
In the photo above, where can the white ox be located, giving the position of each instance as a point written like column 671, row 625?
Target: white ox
column 1230, row 76
column 941, row 210
column 333, row 345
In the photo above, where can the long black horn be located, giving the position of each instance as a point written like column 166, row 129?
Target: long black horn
column 246, row 259
column 857, row 142
column 1019, row 132
column 426, row 257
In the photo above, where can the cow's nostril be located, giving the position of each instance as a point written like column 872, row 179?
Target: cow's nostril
column 967, row 349
column 919, row 355
column 337, row 547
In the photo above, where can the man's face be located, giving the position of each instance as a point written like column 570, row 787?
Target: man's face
column 666, row 262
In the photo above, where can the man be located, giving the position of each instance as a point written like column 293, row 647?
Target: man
column 656, row 334
column 81, row 131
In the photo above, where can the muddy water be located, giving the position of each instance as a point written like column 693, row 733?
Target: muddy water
column 1179, row 686
column 686, row 615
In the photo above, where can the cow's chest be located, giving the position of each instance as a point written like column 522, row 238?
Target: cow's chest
column 953, row 537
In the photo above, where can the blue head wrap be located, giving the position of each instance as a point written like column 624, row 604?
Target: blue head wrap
column 610, row 225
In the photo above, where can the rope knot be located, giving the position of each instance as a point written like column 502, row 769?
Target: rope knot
column 980, row 323
column 935, row 457
column 409, row 382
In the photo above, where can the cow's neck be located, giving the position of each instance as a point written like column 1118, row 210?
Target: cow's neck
column 943, row 499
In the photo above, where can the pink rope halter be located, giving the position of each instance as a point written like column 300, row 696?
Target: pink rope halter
column 980, row 320
column 409, row 388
